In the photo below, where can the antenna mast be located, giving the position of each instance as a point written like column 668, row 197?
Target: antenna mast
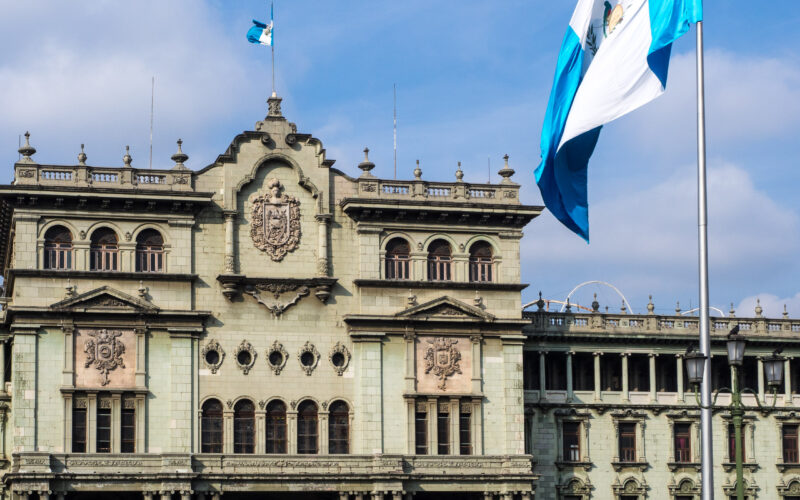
column 489, row 169
column 152, row 93
column 394, row 104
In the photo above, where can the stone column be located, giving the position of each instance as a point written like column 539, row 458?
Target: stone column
column 68, row 370
column 227, row 431
column 230, row 219
column 147, row 495
column 597, row 378
column 291, row 428
column 455, row 437
column 787, row 381
column 376, row 495
column 653, row 397
column 116, row 420
column 44, row 495
column 322, row 242
column 343, row 495
column 141, row 351
column 477, row 426
column 526, row 495
column 91, row 427
column 569, row 377
column 625, row 394
column 261, row 430
column 433, row 434
column 359, row 496
column 24, row 375
column 488, row 496
column 542, row 377
column 761, row 379
column 397, row 495
column 186, row 495
column 476, row 363
column 680, row 388
column 323, row 430
column 411, row 377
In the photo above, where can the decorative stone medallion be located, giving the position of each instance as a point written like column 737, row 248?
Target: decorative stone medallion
column 276, row 357
column 339, row 356
column 275, row 222
column 308, row 356
column 213, row 354
column 442, row 359
column 245, row 356
column 104, row 352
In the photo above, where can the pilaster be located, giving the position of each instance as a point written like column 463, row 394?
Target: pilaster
column 24, row 379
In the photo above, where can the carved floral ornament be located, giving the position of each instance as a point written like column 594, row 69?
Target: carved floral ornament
column 277, row 289
column 442, row 359
column 308, row 356
column 104, row 351
column 275, row 222
column 213, row 354
column 245, row 356
column 276, row 357
column 339, row 356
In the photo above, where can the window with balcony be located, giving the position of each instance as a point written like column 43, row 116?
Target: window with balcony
column 627, row 442
column 339, row 428
column 398, row 260
column 150, row 252
column 244, row 427
column 58, row 248
column 276, row 427
column 481, row 262
column 211, row 427
column 683, row 442
column 440, row 258
column 104, row 250
column 307, row 433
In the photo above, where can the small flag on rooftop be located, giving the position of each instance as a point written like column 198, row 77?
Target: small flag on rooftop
column 260, row 32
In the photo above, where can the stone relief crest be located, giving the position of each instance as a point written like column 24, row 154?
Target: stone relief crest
column 104, row 351
column 442, row 359
column 275, row 222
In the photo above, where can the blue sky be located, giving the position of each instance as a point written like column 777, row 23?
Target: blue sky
column 472, row 81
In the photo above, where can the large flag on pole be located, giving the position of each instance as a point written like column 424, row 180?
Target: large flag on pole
column 613, row 60
column 260, row 32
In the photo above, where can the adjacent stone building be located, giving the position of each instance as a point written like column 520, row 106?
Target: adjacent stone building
column 266, row 327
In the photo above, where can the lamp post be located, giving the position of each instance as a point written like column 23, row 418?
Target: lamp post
column 773, row 366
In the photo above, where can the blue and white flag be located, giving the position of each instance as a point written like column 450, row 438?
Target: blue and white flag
column 260, row 32
column 613, row 60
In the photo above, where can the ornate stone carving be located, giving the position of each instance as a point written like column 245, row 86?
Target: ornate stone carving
column 339, row 356
column 229, row 403
column 208, row 358
column 245, row 356
column 275, row 222
column 277, row 289
column 308, row 356
column 104, row 351
column 442, row 358
column 277, row 348
column 26, row 173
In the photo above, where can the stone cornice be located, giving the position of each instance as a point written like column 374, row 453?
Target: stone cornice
column 440, row 285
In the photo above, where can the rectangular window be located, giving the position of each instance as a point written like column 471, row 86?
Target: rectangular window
column 465, row 430
column 79, row 427
column 638, row 373
column 398, row 267
column 103, row 427
column 611, row 372
column 666, row 374
column 530, row 370
column 720, row 374
column 443, row 430
column 790, row 455
column 683, row 443
column 732, row 444
column 748, row 374
column 528, row 434
column 627, row 442
column 583, row 371
column 128, row 429
column 421, row 432
column 556, row 371
column 572, row 441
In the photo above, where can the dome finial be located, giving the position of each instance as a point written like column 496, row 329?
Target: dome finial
column 82, row 157
column 127, row 158
column 785, row 312
column 366, row 165
column 540, row 302
column 595, row 304
column 27, row 150
column 418, row 172
column 506, row 172
column 677, row 308
column 650, row 306
column 759, row 310
column 732, row 312
column 459, row 173
column 179, row 157
column 623, row 309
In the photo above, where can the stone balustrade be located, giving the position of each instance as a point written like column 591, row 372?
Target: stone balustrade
column 503, row 193
column 82, row 176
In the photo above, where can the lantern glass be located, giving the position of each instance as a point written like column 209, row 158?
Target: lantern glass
column 694, row 368
column 735, row 350
column 773, row 366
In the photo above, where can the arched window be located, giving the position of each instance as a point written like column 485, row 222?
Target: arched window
column 439, row 259
column 244, row 427
column 276, row 427
column 398, row 260
column 211, row 427
column 339, row 428
column 150, row 251
column 307, row 442
column 58, row 248
column 103, row 252
column 480, row 262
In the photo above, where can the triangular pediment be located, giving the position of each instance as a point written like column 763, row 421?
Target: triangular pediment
column 446, row 307
column 105, row 298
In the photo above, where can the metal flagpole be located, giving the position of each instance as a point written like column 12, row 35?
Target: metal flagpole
column 272, row 42
column 152, row 93
column 707, row 456
column 394, row 111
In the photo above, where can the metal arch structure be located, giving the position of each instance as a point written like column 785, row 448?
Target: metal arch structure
column 624, row 300
column 690, row 311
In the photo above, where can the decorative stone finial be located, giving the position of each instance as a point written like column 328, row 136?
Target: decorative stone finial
column 540, row 302
column 459, row 174
column 70, row 289
column 179, row 157
column 677, row 308
column 759, row 310
column 127, row 158
column 418, row 172
column 595, row 304
column 366, row 165
column 506, row 172
column 650, row 306
column 478, row 300
column 623, row 309
column 27, row 150
column 785, row 312
column 411, row 299
column 569, row 307
column 274, row 103
column 82, row 157
column 142, row 290
column 732, row 312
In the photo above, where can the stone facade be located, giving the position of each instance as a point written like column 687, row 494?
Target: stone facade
column 252, row 330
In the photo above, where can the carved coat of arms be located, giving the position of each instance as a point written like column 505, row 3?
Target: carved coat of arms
column 104, row 350
column 275, row 222
column 442, row 359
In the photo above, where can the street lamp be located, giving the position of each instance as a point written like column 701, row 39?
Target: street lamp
column 773, row 366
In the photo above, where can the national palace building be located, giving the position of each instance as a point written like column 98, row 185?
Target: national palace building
column 270, row 327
